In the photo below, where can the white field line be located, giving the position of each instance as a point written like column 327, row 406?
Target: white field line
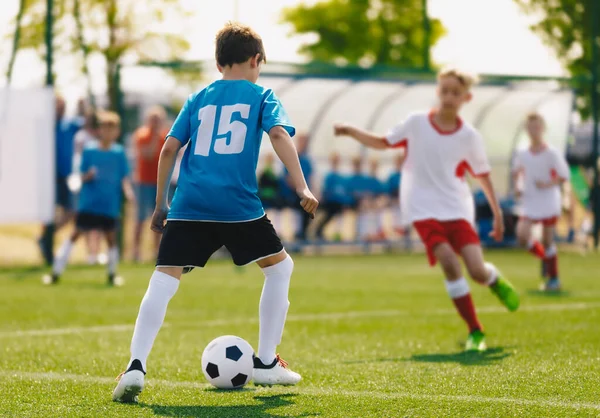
column 330, row 316
column 51, row 376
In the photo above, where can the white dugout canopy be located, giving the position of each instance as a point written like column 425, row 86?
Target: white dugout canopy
column 497, row 111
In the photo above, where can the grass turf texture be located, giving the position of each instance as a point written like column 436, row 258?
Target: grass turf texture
column 373, row 336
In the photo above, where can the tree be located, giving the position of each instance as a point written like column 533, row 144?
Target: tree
column 364, row 32
column 119, row 30
column 566, row 26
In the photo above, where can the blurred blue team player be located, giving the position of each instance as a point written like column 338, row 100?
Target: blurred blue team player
column 335, row 195
column 104, row 172
column 64, row 150
column 217, row 203
column 373, row 204
column 392, row 186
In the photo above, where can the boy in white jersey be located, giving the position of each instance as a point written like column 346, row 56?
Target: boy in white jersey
column 440, row 150
column 541, row 169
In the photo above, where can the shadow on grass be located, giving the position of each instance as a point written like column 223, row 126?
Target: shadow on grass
column 490, row 356
column 549, row 294
column 214, row 411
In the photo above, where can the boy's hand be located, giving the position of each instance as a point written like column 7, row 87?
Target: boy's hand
column 158, row 220
column 340, row 129
column 498, row 229
column 308, row 202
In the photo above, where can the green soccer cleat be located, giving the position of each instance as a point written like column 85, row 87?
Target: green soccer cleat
column 507, row 294
column 476, row 342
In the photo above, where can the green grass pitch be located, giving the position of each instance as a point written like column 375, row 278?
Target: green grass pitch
column 373, row 336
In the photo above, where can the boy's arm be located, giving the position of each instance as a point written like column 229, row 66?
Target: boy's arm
column 128, row 189
column 366, row 138
column 286, row 151
column 166, row 164
column 488, row 188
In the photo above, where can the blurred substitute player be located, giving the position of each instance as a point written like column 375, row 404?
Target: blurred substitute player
column 542, row 170
column 104, row 173
column 217, row 203
column 441, row 149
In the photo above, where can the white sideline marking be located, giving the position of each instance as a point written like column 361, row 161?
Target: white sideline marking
column 330, row 316
column 52, row 376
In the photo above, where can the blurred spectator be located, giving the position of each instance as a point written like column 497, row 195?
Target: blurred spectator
column 268, row 189
column 289, row 195
column 359, row 184
column 335, row 197
column 374, row 204
column 148, row 141
column 393, row 190
column 65, row 131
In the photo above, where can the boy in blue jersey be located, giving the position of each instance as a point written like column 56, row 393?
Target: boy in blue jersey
column 216, row 203
column 335, row 194
column 105, row 172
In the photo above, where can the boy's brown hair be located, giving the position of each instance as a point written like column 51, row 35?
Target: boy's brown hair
column 109, row 118
column 236, row 43
column 533, row 116
column 466, row 79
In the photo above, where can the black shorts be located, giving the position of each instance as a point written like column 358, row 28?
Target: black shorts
column 90, row 221
column 191, row 243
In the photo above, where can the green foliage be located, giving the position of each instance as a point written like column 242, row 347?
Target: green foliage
column 120, row 30
column 364, row 32
column 566, row 26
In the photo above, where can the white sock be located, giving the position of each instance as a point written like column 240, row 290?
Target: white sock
column 493, row 274
column 457, row 288
column 152, row 313
column 113, row 259
column 62, row 258
column 273, row 308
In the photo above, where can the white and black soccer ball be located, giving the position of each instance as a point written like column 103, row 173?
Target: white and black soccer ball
column 227, row 362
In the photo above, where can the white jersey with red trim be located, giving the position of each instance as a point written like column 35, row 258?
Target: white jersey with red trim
column 433, row 175
column 542, row 166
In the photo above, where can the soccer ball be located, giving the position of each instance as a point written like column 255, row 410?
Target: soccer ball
column 227, row 362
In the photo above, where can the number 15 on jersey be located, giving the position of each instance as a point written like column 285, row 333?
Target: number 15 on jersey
column 230, row 135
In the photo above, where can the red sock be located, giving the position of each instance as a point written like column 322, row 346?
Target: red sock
column 466, row 309
column 537, row 249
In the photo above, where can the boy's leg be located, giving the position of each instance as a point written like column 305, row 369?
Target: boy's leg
column 269, row 368
column 62, row 258
column 113, row 256
column 551, row 259
column 457, row 286
column 163, row 286
column 524, row 237
column 257, row 241
column 487, row 274
column 183, row 244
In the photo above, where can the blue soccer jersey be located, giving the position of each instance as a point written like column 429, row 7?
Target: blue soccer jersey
column 223, row 124
column 336, row 189
column 102, row 194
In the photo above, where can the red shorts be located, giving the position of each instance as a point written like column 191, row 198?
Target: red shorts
column 544, row 221
column 458, row 234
